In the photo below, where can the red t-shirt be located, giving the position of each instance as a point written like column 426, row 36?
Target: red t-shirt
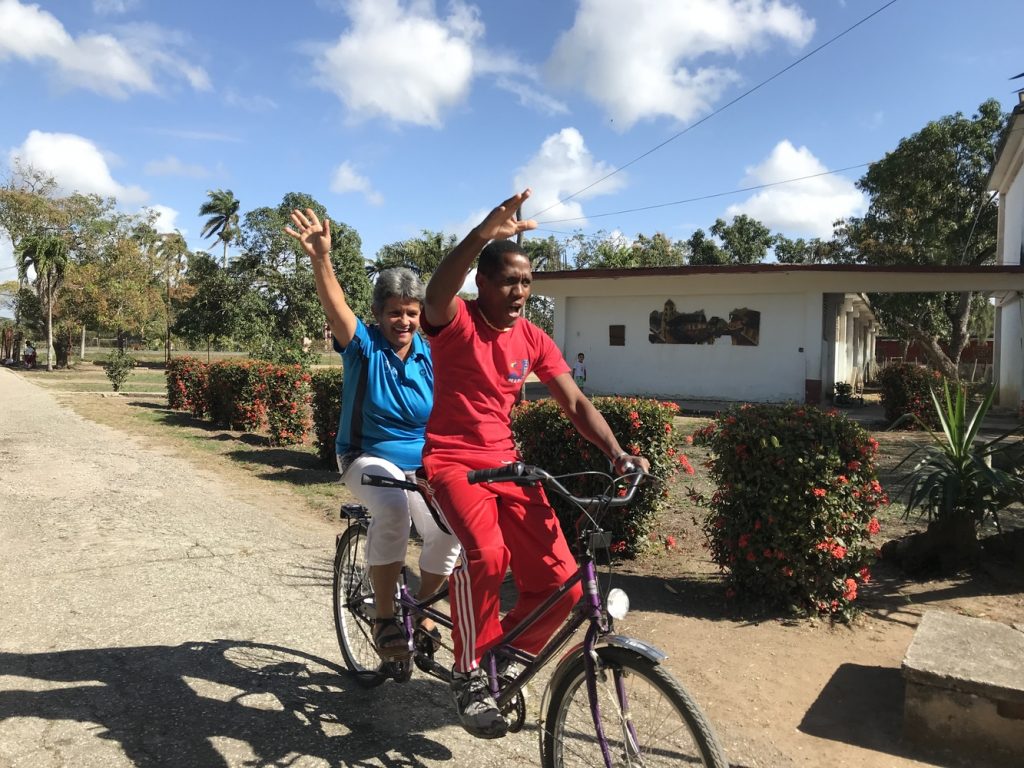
column 478, row 373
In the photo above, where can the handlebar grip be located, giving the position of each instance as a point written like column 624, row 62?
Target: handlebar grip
column 383, row 481
column 498, row 474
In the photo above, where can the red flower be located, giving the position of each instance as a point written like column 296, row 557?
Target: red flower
column 744, row 540
column 865, row 574
column 838, row 552
column 853, row 465
column 819, row 492
column 873, row 526
column 670, row 542
column 850, row 593
column 618, row 547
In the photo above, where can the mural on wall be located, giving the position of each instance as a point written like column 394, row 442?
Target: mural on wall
column 671, row 327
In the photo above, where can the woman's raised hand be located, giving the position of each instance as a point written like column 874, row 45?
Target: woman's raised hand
column 314, row 237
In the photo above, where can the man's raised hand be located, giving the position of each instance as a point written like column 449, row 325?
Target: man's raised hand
column 501, row 223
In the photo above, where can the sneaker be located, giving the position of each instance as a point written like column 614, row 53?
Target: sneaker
column 478, row 712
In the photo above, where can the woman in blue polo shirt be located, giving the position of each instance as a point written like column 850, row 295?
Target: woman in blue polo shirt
column 388, row 393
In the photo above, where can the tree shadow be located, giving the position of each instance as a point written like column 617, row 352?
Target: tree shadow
column 293, row 467
column 170, row 705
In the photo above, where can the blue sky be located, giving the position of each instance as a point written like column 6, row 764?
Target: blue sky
column 403, row 115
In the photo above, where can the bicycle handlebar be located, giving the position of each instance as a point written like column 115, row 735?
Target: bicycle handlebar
column 526, row 474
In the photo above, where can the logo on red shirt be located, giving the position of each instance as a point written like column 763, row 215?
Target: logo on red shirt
column 518, row 369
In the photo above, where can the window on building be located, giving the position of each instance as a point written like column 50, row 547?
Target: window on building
column 616, row 335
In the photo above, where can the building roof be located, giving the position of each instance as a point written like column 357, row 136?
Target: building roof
column 783, row 278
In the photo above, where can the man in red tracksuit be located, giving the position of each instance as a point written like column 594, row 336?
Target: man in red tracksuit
column 483, row 350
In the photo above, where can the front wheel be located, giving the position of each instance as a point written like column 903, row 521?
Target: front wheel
column 354, row 608
column 647, row 717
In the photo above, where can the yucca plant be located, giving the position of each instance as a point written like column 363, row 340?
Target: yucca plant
column 954, row 483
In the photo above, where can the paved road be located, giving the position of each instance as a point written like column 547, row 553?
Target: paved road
column 153, row 615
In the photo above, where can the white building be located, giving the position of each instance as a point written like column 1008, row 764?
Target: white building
column 760, row 333
column 1008, row 181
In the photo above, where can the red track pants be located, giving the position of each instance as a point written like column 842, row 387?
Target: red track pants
column 500, row 526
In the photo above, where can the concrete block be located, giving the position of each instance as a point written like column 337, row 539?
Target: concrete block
column 965, row 687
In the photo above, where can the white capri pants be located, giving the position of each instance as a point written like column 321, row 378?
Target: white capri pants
column 390, row 512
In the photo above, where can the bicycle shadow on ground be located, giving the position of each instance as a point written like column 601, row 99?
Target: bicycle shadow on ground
column 863, row 706
column 227, row 702
column 700, row 597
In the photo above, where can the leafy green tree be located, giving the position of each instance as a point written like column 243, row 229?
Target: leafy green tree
column 930, row 206
column 704, row 251
column 277, row 288
column 658, row 251
column 547, row 255
column 420, row 254
column 46, row 254
column 206, row 316
column 222, row 209
column 745, row 240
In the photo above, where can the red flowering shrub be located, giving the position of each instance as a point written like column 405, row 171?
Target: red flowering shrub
column 794, row 510
column 906, row 389
column 237, row 393
column 643, row 427
column 326, row 385
column 187, row 381
column 287, row 398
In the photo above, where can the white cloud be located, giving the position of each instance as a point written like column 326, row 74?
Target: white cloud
column 256, row 104
column 563, row 165
column 802, row 208
column 113, row 7
column 113, row 66
column 402, row 63
column 347, row 179
column 640, row 60
column 172, row 166
column 166, row 220
column 530, row 96
column 76, row 164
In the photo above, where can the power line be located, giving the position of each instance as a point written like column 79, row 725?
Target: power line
column 719, row 110
column 706, row 197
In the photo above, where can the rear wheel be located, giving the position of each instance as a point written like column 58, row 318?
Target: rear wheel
column 355, row 609
column 647, row 717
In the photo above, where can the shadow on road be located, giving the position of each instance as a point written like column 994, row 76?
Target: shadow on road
column 262, row 704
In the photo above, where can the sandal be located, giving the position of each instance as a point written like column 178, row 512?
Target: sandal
column 389, row 639
column 427, row 637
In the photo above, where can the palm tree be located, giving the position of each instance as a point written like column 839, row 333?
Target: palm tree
column 47, row 254
column 172, row 251
column 222, row 208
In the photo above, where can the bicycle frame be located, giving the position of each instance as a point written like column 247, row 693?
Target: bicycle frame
column 590, row 610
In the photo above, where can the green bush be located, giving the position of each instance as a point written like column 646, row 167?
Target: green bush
column 794, row 510
column 906, row 392
column 326, row 402
column 118, row 367
column 644, row 428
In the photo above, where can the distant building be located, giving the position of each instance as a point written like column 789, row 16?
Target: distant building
column 760, row 333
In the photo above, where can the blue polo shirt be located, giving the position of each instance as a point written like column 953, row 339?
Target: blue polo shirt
column 385, row 401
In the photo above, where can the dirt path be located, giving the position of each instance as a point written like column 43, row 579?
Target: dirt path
column 161, row 610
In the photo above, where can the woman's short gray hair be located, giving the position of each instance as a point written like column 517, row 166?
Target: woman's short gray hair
column 397, row 281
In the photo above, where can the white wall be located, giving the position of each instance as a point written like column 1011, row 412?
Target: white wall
column 1010, row 326
column 772, row 371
